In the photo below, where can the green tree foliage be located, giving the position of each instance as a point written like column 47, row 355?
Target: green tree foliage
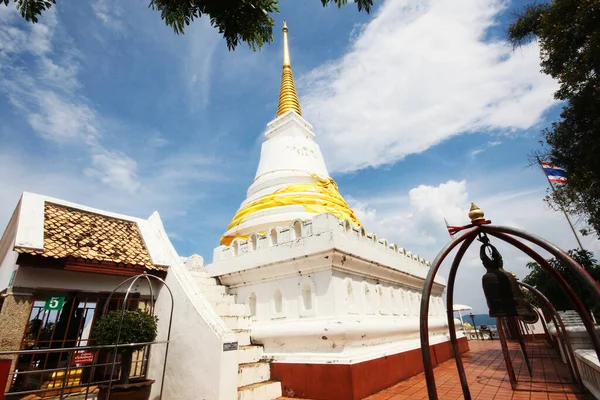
column 568, row 32
column 539, row 279
column 248, row 21
column 135, row 327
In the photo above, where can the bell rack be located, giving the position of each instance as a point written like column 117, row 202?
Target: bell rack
column 468, row 233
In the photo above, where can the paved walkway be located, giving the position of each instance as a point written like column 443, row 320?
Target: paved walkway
column 486, row 373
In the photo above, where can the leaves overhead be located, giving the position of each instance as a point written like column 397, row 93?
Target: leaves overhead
column 247, row 21
column 568, row 32
column 31, row 9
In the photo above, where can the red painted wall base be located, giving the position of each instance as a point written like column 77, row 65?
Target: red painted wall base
column 4, row 374
column 355, row 381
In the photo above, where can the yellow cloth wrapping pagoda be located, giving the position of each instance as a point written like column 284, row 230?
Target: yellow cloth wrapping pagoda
column 322, row 196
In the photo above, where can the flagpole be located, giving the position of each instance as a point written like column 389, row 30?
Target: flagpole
column 560, row 205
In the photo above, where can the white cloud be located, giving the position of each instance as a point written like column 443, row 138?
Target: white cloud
column 203, row 43
column 415, row 221
column 45, row 91
column 115, row 169
column 419, row 73
column 485, row 147
column 109, row 12
column 59, row 119
column 156, row 140
column 169, row 186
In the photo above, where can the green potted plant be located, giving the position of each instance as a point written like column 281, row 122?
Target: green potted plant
column 136, row 327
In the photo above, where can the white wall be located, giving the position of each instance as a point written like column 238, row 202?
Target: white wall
column 46, row 278
column 8, row 257
column 197, row 366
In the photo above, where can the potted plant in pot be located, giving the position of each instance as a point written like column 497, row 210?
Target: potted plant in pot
column 136, row 327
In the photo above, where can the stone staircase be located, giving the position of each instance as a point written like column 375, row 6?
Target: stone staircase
column 570, row 318
column 254, row 373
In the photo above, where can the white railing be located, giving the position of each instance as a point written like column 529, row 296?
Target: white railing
column 589, row 368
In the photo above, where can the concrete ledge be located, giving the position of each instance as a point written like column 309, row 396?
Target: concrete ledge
column 355, row 381
column 589, row 367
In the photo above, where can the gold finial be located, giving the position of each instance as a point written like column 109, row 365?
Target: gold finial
column 286, row 50
column 476, row 214
column 288, row 98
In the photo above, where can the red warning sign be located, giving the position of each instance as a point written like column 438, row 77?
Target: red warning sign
column 84, row 357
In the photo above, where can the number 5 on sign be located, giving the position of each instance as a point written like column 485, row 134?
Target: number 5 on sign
column 54, row 303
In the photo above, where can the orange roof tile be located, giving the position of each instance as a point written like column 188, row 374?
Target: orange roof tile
column 70, row 232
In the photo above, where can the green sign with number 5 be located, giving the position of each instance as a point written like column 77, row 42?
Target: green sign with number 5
column 54, row 303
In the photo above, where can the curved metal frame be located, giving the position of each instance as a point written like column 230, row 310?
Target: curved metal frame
column 561, row 331
column 133, row 280
column 544, row 323
column 502, row 233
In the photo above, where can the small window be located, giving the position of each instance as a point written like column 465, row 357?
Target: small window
column 273, row 237
column 383, row 303
column 407, row 302
column 253, row 242
column 278, row 302
column 347, row 226
column 394, row 301
column 297, row 228
column 370, row 298
column 307, row 300
column 350, row 294
column 252, row 304
column 236, row 248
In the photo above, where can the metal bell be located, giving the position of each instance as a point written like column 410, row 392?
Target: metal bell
column 502, row 292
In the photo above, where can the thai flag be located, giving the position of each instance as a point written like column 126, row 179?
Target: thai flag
column 554, row 173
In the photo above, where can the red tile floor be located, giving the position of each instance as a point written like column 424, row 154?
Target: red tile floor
column 486, row 374
column 487, row 377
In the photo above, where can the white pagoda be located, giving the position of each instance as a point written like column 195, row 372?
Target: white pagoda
column 334, row 307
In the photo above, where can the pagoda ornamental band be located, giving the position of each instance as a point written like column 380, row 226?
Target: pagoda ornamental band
column 300, row 299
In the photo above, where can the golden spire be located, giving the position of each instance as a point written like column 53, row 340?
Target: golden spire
column 288, row 98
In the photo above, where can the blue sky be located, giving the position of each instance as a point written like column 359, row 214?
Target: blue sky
column 419, row 108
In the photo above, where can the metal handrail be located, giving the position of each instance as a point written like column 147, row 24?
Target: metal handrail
column 70, row 350
column 7, row 394
column 43, row 371
column 65, row 349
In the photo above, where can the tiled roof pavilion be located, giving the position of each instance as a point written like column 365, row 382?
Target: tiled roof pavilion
column 56, row 233
column 71, row 232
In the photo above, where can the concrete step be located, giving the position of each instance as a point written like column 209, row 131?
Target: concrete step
column 234, row 322
column 212, row 288
column 217, row 297
column 243, row 336
column 269, row 390
column 206, row 282
column 203, row 278
column 199, row 274
column 249, row 354
column 253, row 373
column 232, row 310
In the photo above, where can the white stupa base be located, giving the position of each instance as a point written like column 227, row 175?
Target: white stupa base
column 333, row 306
